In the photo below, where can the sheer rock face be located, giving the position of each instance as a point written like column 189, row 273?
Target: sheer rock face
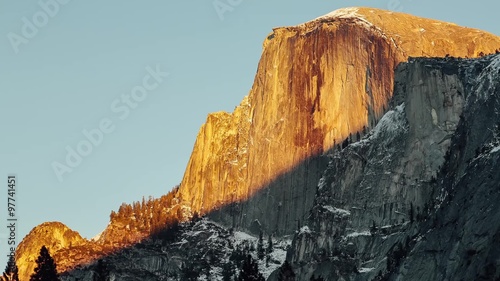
column 316, row 84
column 424, row 180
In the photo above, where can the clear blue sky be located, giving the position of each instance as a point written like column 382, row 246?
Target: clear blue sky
column 69, row 72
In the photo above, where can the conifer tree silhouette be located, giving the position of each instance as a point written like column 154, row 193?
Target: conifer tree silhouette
column 101, row 271
column 269, row 248
column 11, row 271
column 314, row 278
column 45, row 267
column 286, row 272
column 250, row 271
column 260, row 247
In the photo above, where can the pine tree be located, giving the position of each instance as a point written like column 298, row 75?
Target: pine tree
column 269, row 248
column 373, row 228
column 412, row 213
column 250, row 271
column 45, row 267
column 10, row 273
column 228, row 272
column 260, row 247
column 251, row 247
column 189, row 272
column 345, row 143
column 101, row 272
column 286, row 272
column 319, row 278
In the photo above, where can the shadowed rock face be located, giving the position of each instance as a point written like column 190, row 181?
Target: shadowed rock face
column 316, row 84
column 424, row 181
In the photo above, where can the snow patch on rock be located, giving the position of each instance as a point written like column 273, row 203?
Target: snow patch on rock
column 350, row 12
column 496, row 149
column 240, row 236
column 357, row 234
column 365, row 269
column 345, row 13
column 97, row 237
column 391, row 122
column 337, row 211
column 488, row 77
column 304, row 229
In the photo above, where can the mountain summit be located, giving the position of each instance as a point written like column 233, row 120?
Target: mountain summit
column 317, row 84
column 319, row 87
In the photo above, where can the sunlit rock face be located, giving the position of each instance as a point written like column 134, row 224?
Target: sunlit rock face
column 316, row 84
column 56, row 237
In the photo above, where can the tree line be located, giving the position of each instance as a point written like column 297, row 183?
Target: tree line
column 46, row 269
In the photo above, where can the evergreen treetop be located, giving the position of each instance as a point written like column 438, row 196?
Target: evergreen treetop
column 314, row 278
column 45, row 267
column 11, row 271
column 260, row 247
column 269, row 248
column 250, row 271
column 286, row 272
column 101, row 271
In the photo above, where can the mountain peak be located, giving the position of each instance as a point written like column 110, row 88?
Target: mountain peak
column 55, row 236
column 345, row 13
column 414, row 36
column 372, row 16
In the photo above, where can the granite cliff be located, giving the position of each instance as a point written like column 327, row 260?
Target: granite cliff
column 317, row 84
column 417, row 198
column 258, row 168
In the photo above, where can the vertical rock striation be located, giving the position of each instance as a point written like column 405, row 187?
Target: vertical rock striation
column 416, row 199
